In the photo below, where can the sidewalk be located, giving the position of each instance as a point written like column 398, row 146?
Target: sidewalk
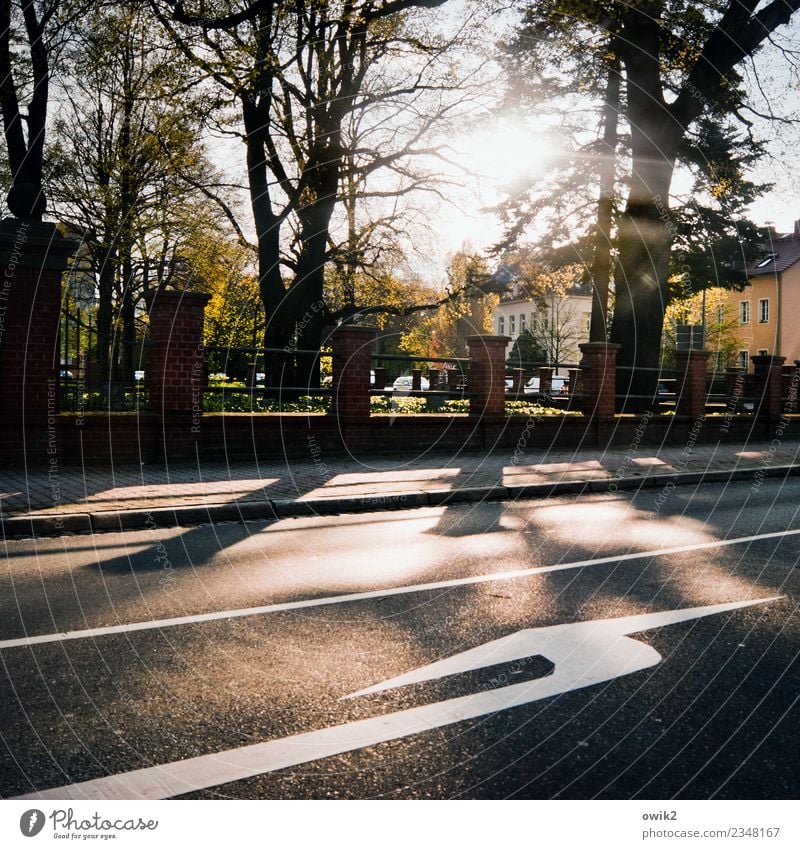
column 75, row 499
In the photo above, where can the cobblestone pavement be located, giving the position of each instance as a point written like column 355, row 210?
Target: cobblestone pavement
column 69, row 490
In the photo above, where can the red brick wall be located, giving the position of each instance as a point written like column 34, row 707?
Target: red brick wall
column 691, row 386
column 598, row 378
column 175, row 357
column 28, row 345
column 486, row 381
column 768, row 373
column 32, row 257
column 352, row 362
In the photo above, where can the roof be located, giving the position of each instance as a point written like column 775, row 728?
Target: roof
column 781, row 254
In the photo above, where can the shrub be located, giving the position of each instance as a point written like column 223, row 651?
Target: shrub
column 527, row 408
column 247, row 402
column 398, row 406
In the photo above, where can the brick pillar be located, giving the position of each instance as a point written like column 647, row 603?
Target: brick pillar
column 598, row 378
column 416, row 379
column 793, row 390
column 691, row 388
column 433, row 378
column 33, row 256
column 789, row 387
column 175, row 368
column 769, row 385
column 352, row 361
column 734, row 388
column 487, row 376
column 545, row 379
column 380, row 378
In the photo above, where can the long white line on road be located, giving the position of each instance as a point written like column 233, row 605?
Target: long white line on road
column 585, row 653
column 157, row 624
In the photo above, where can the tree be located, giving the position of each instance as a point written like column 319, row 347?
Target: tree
column 442, row 321
column 679, row 64
column 542, row 63
column 31, row 34
column 233, row 317
column 298, row 73
column 527, row 349
column 712, row 310
column 126, row 137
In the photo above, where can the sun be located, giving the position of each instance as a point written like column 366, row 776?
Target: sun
column 506, row 152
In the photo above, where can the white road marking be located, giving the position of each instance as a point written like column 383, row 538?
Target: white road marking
column 157, row 624
column 585, row 653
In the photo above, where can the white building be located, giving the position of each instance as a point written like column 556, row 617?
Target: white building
column 558, row 322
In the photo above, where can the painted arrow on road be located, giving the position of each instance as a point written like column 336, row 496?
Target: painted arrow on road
column 584, row 653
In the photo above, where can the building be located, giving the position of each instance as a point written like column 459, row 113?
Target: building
column 558, row 321
column 767, row 309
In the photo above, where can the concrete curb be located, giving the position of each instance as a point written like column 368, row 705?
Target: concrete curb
column 169, row 517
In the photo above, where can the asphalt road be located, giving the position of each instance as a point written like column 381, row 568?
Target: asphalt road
column 216, row 662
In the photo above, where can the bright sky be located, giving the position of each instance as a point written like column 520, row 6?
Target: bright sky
column 495, row 156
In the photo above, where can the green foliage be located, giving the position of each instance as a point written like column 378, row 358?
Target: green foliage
column 128, row 401
column 722, row 327
column 253, row 402
column 527, row 349
column 441, row 332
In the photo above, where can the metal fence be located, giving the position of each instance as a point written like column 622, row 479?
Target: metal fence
column 82, row 387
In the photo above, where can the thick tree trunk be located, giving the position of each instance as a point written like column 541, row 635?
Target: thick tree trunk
column 25, row 156
column 308, row 287
column 105, row 313
column 601, row 264
column 640, row 304
column 128, row 320
column 279, row 327
column 645, row 238
column 645, row 232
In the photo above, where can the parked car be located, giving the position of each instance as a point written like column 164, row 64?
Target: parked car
column 559, row 386
column 403, row 384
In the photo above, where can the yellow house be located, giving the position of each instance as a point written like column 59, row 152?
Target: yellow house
column 768, row 308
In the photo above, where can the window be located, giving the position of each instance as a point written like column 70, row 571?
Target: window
column 512, row 324
column 522, row 324
column 501, row 326
column 586, row 322
column 763, row 352
column 744, row 312
column 763, row 310
column 744, row 359
column 766, row 261
column 720, row 314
